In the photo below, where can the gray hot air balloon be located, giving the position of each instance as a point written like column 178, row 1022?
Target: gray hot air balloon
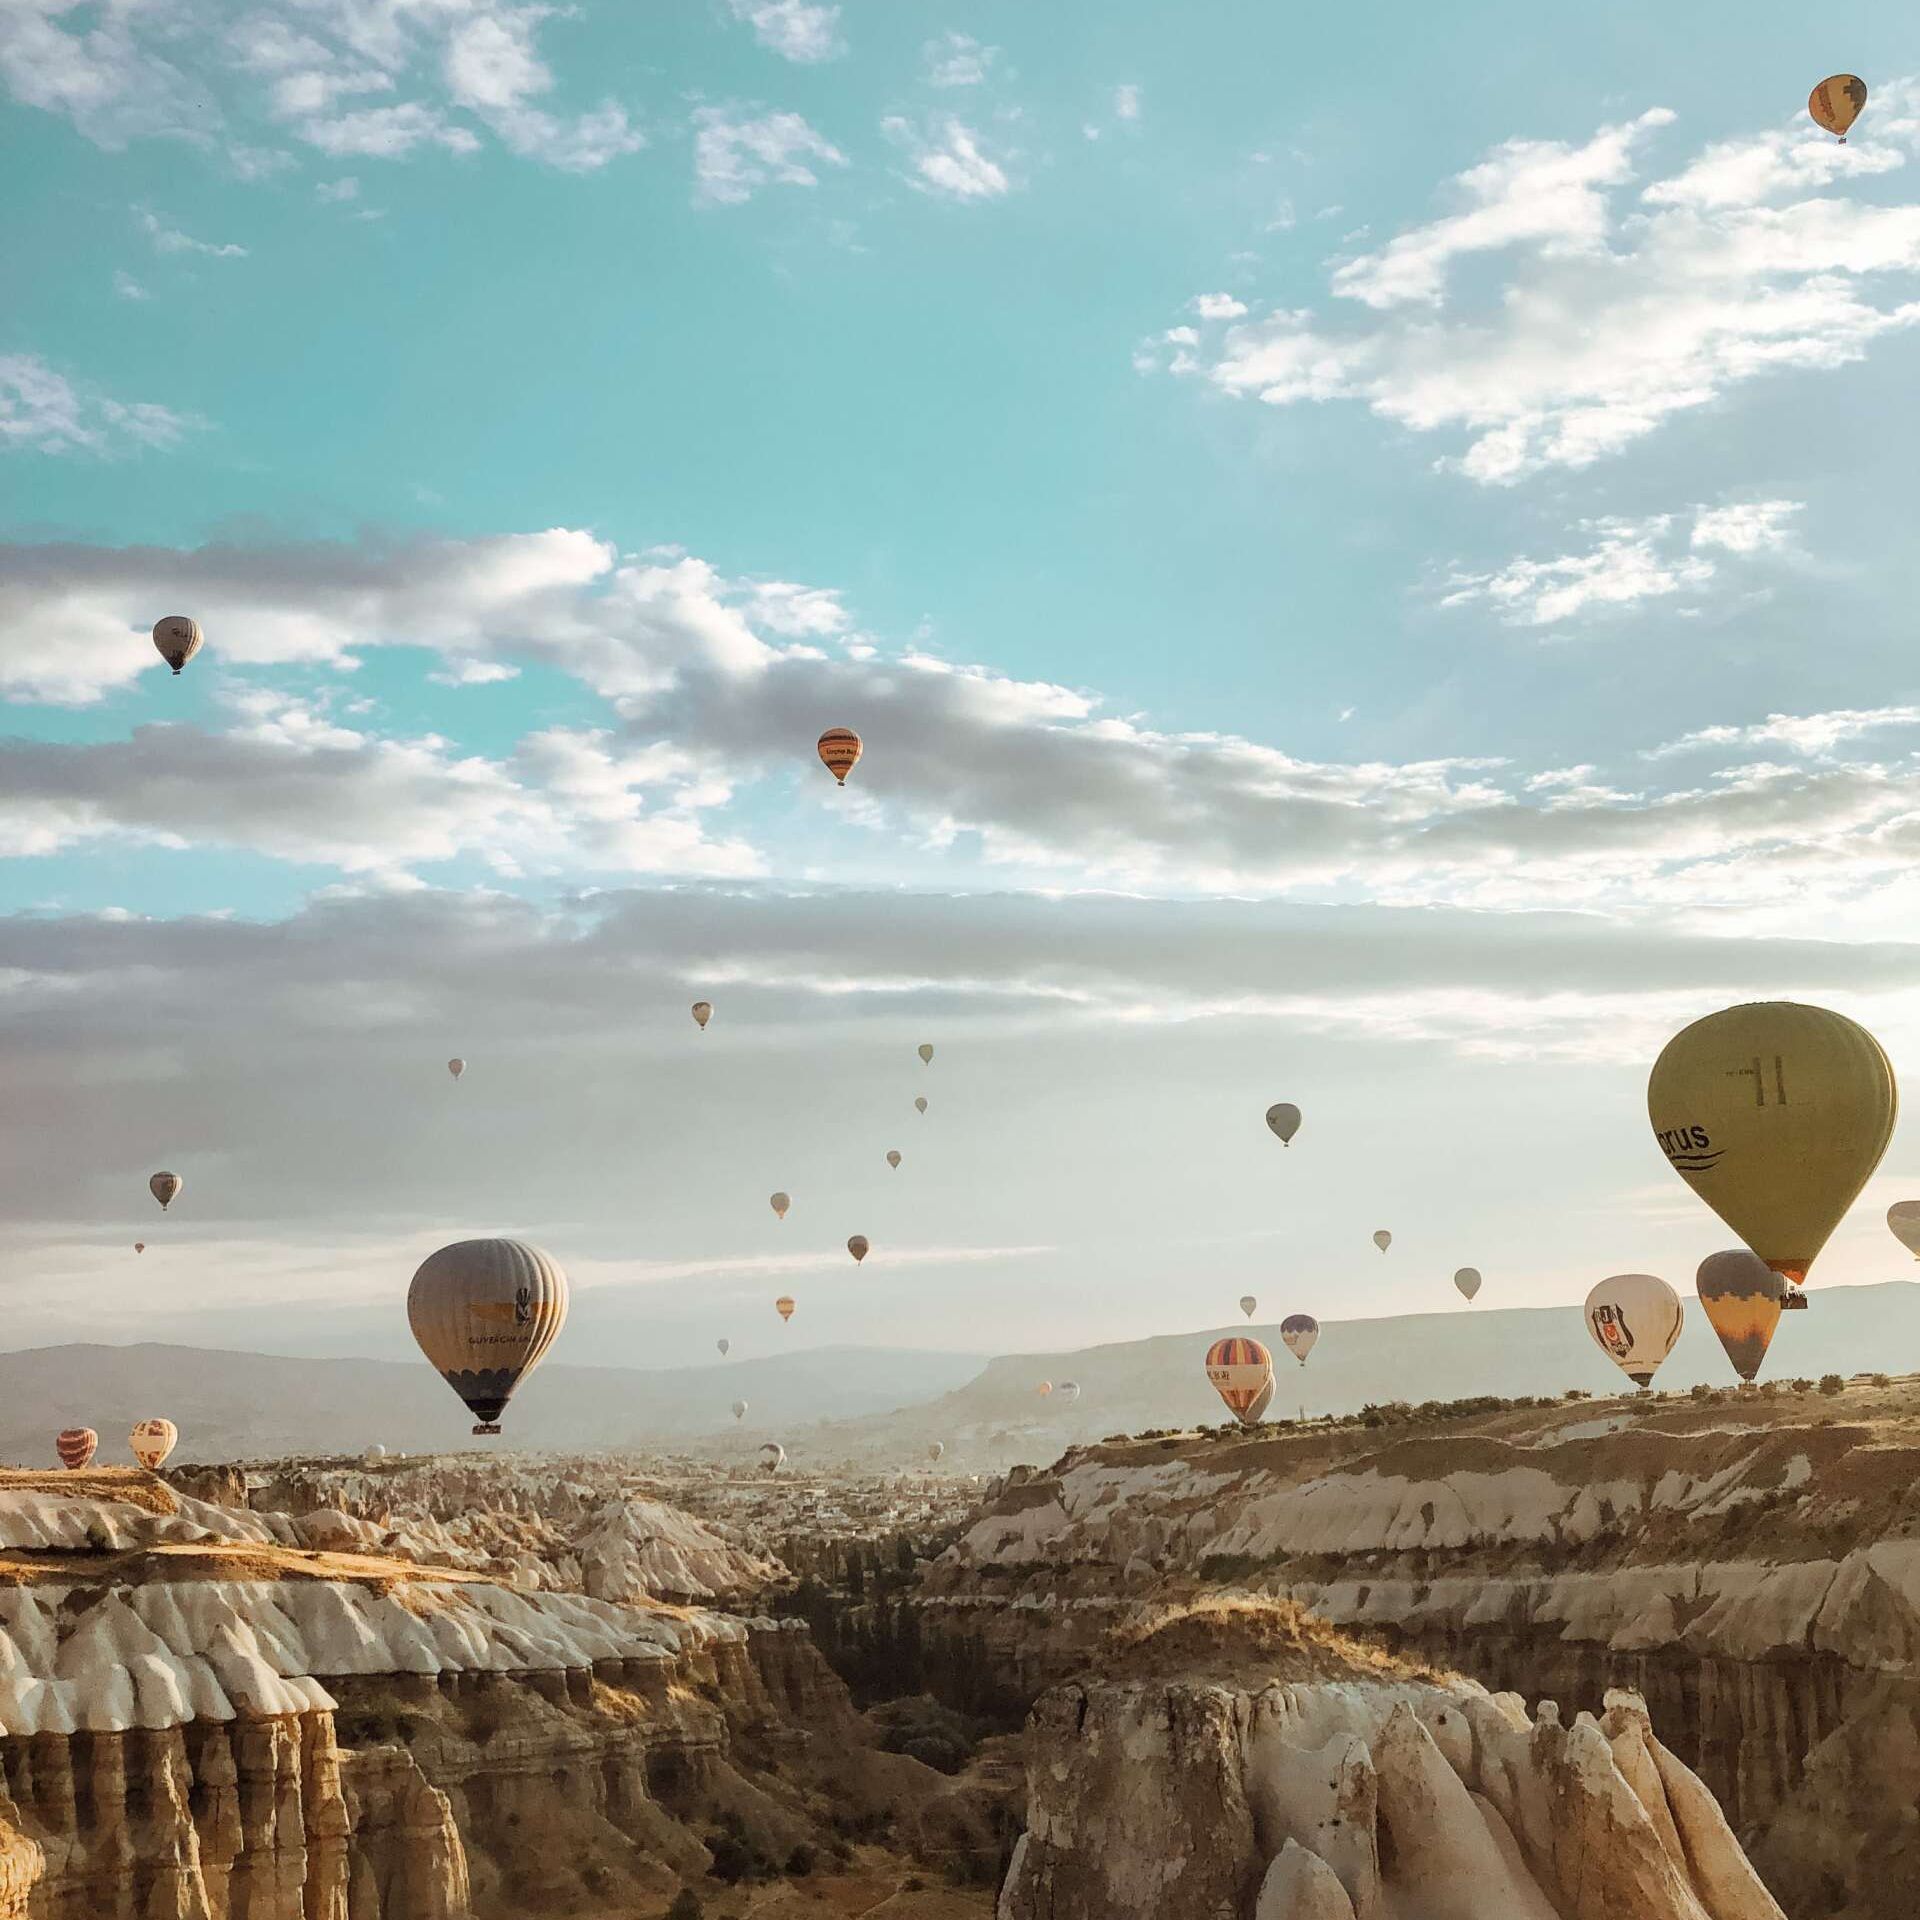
column 1067, row 1390
column 926, row 1053
column 858, row 1246
column 775, row 1456
column 739, row 1409
column 1383, row 1239
column 893, row 1156
column 936, row 1450
column 1249, row 1305
column 1298, row 1332
column 165, row 1187
column 1468, row 1281
column 780, row 1202
column 456, row 1066
column 177, row 639
column 1284, row 1118
column 723, row 1345
column 484, row 1311
column 919, row 1103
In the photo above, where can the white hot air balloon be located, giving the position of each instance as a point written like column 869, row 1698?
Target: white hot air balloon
column 484, row 1311
column 775, row 1456
column 1068, row 1391
column 152, row 1441
column 1249, row 1305
column 739, row 1409
column 1298, row 1332
column 1635, row 1318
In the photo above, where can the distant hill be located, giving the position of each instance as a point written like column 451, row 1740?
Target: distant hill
column 998, row 1418
column 252, row 1405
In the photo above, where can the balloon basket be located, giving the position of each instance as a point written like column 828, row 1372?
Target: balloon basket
column 488, row 1426
column 1796, row 1301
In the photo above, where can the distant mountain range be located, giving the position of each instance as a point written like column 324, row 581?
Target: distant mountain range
column 884, row 1406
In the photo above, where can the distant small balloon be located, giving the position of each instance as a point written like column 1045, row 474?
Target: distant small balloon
column 1836, row 102
column 178, row 639
column 1284, row 1118
column 775, row 1456
column 702, row 1013
column 1383, row 1239
column 456, row 1066
column 926, row 1053
column 1067, row 1390
column 839, row 748
column 1043, row 1388
column 936, row 1450
column 1468, row 1281
column 1298, row 1332
column 1248, row 1305
column 780, row 1202
column 784, row 1306
column 919, row 1103
column 1904, row 1218
column 152, row 1441
column 893, row 1156
column 165, row 1187
column 725, row 1347
column 857, row 1246
column 739, row 1409
column 139, row 1246
column 76, row 1447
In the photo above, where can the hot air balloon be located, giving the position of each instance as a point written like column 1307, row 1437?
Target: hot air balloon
column 926, row 1053
column 936, row 1450
column 893, row 1156
column 857, row 1246
column 1284, row 1118
column 839, row 748
column 702, row 1013
column 1240, row 1369
column 1382, row 1239
column 919, row 1103
column 1248, row 1304
column 779, row 1454
column 484, row 1311
column 1836, row 102
column 1044, row 1388
column 1468, row 1281
column 1635, row 1318
column 1741, row 1296
column 1904, row 1218
column 1775, row 1114
column 1261, row 1402
column 373, row 1455
column 139, row 1246
column 456, row 1066
column 152, row 1441
column 784, row 1306
column 739, row 1409
column 1298, row 1332
column 76, row 1447
column 780, row 1202
column 723, row 1345
column 178, row 639
column 165, row 1187
column 1068, row 1390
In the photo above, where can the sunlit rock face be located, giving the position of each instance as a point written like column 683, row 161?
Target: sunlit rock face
column 1362, row 1800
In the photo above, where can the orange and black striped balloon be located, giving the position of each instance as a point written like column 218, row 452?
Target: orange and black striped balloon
column 1240, row 1369
column 1742, row 1297
column 76, row 1447
column 840, row 748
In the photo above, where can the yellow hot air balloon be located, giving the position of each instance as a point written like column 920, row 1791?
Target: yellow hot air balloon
column 857, row 1246
column 76, row 1447
column 152, row 1441
column 484, row 1311
column 839, row 748
column 780, row 1202
column 1904, row 1219
column 1775, row 1114
column 1741, row 1296
column 1044, row 1388
column 893, row 1156
column 165, row 1187
column 1635, row 1318
column 925, row 1051
column 1836, row 102
column 177, row 639
column 456, row 1066
column 1383, row 1239
column 784, row 1306
column 1284, row 1118
column 702, row 1013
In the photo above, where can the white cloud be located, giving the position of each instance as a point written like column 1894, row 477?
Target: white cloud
column 794, row 29
column 1216, row 306
column 1805, row 733
column 1601, row 314
column 42, row 410
column 946, row 158
column 956, row 60
column 736, row 151
column 126, row 287
column 169, row 239
column 1126, row 102
column 1629, row 561
column 332, row 193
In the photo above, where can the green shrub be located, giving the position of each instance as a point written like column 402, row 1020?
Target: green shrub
column 1831, row 1383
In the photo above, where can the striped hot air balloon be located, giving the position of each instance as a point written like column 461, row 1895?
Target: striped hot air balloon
column 1241, row 1370
column 839, row 749
column 784, row 1306
column 483, row 1312
column 178, row 638
column 76, row 1447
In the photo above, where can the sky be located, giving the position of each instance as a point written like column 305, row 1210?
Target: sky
column 1369, row 549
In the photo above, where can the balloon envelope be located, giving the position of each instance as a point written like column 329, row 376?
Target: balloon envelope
column 165, row 1187
column 936, row 1450
column 178, row 639
column 1836, row 102
column 926, row 1053
column 139, row 1246
column 456, row 1066
column 723, row 1345
column 152, row 1441
column 1383, row 1239
column 1468, row 1281
column 1635, row 1318
column 1741, row 1296
column 1298, row 1332
column 775, row 1455
column 1068, row 1390
column 1904, row 1218
column 739, row 1409
column 1248, row 1305
column 893, row 1156
column 857, row 1246
column 780, row 1202
column 1240, row 1369
column 1284, row 1118
column 1044, row 1388
column 919, row 1103
column 784, row 1306
column 76, row 1447
column 484, row 1311
column 702, row 1013
column 839, row 748
column 1775, row 1114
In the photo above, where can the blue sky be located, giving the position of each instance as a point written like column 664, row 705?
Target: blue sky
column 1437, row 484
